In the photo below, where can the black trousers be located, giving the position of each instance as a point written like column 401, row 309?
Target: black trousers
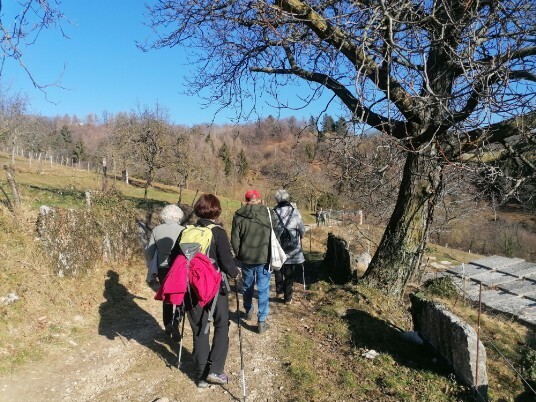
column 210, row 359
column 167, row 308
column 284, row 279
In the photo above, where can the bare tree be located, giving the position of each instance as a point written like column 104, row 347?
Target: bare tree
column 20, row 27
column 179, row 160
column 140, row 140
column 365, row 169
column 442, row 78
column 12, row 117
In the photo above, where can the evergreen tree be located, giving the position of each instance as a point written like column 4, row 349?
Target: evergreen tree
column 243, row 165
column 341, row 127
column 328, row 124
column 65, row 135
column 225, row 155
column 79, row 151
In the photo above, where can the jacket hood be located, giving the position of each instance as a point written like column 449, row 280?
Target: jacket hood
column 251, row 211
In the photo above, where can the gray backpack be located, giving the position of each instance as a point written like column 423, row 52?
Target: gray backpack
column 288, row 240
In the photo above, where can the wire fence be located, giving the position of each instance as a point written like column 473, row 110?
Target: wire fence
column 330, row 217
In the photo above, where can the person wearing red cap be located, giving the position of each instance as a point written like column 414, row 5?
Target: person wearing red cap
column 250, row 238
column 252, row 195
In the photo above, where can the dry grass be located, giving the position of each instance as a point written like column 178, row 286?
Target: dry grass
column 325, row 354
column 506, row 342
column 38, row 319
column 51, row 312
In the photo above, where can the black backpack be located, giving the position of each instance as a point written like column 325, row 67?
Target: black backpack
column 287, row 240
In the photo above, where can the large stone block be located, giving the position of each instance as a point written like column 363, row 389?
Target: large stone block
column 497, row 261
column 454, row 339
column 338, row 260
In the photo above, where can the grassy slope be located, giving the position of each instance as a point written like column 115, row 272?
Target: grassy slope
column 323, row 353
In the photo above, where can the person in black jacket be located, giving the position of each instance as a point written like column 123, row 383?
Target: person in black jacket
column 209, row 361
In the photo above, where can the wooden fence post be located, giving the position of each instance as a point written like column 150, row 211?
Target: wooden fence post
column 13, row 184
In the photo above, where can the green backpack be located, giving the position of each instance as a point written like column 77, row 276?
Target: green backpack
column 199, row 237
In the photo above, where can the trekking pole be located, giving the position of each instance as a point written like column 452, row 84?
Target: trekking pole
column 182, row 337
column 240, row 342
column 303, row 275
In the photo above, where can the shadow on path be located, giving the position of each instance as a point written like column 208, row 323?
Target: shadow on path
column 121, row 316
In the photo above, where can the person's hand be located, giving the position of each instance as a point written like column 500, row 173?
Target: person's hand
column 239, row 274
column 152, row 279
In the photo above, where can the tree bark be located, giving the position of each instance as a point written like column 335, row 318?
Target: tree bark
column 400, row 251
column 148, row 182
column 13, row 184
column 104, row 167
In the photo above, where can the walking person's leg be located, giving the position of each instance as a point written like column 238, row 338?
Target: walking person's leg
column 263, row 290
column 220, row 341
column 248, row 287
column 288, row 272
column 198, row 318
column 279, row 288
column 167, row 308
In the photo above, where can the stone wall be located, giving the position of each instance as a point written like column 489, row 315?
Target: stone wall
column 75, row 240
column 454, row 340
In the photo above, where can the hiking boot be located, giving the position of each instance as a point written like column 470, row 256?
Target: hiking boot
column 249, row 314
column 218, row 378
column 168, row 329
column 263, row 326
column 288, row 301
column 202, row 384
column 280, row 296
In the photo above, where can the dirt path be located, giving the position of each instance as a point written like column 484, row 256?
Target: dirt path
column 129, row 358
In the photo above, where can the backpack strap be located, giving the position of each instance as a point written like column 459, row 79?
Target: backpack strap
column 215, row 299
column 281, row 219
column 211, row 312
column 278, row 216
column 210, row 226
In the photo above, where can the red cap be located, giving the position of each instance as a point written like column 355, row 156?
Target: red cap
column 251, row 194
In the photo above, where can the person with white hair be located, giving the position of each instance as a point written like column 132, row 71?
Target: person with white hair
column 288, row 216
column 157, row 252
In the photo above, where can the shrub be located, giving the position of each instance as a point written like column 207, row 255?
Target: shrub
column 443, row 287
column 529, row 366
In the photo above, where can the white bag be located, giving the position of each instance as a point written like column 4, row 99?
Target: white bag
column 277, row 254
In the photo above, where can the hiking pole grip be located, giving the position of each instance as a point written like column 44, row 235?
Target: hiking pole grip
column 240, row 342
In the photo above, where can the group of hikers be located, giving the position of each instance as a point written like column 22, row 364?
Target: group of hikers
column 322, row 217
column 246, row 254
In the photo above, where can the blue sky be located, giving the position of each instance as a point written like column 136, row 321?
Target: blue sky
column 101, row 69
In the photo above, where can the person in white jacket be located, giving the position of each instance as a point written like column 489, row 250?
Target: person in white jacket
column 288, row 216
column 157, row 252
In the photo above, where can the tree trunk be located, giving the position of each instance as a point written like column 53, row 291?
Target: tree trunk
column 180, row 194
column 13, row 184
column 400, row 251
column 146, row 189
column 148, row 182
column 103, row 174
